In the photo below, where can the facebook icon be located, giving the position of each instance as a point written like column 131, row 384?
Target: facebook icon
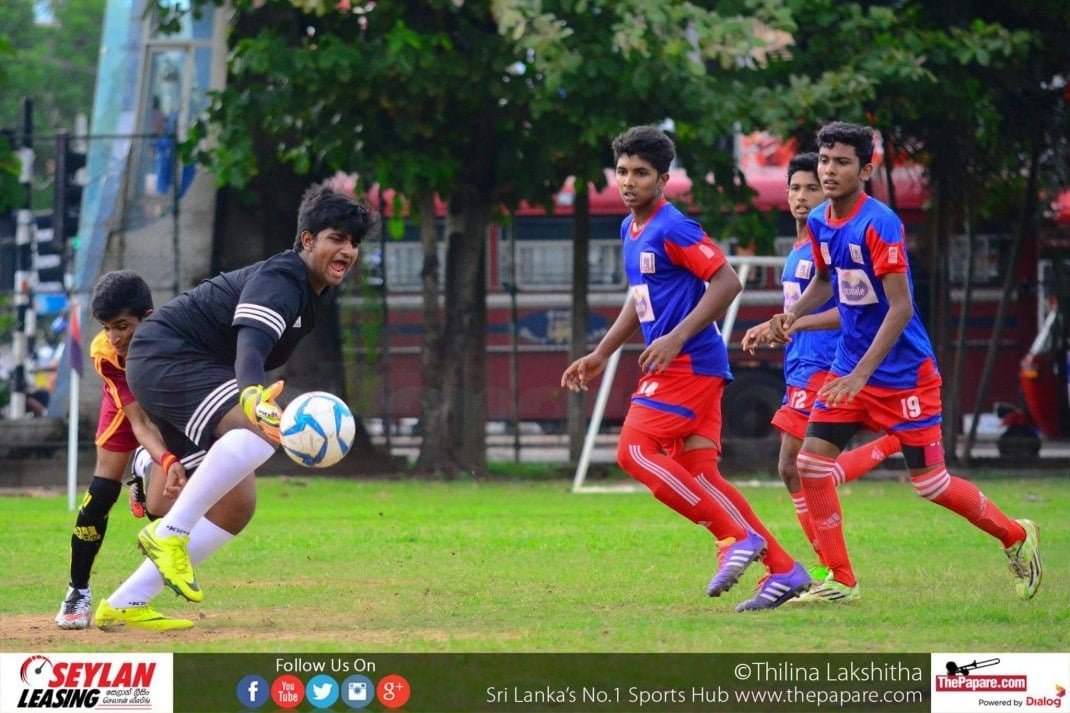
column 253, row 691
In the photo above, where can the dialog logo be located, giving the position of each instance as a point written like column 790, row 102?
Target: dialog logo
column 322, row 691
column 253, row 691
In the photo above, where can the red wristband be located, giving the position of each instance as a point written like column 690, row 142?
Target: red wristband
column 167, row 460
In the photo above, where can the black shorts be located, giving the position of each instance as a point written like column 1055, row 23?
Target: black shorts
column 184, row 390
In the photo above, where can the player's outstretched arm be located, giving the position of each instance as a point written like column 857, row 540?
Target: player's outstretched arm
column 827, row 319
column 148, row 435
column 581, row 372
column 816, row 294
column 755, row 337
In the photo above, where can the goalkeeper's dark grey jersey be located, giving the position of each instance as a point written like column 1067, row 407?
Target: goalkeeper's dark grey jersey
column 273, row 296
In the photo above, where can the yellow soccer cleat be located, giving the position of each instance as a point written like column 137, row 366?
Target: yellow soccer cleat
column 144, row 617
column 1024, row 561
column 171, row 557
column 832, row 592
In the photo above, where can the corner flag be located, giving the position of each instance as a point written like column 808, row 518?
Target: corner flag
column 74, row 338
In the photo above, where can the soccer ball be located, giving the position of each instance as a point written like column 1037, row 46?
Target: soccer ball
column 317, row 429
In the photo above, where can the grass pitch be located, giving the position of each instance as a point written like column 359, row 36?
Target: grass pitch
column 332, row 565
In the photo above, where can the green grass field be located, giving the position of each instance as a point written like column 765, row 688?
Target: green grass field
column 522, row 566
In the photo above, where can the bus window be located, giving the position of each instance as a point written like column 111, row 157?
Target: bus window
column 544, row 253
column 987, row 259
column 404, row 260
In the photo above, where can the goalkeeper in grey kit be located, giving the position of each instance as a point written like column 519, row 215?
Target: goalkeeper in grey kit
column 197, row 366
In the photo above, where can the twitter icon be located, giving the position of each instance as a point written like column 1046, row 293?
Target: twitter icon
column 321, row 691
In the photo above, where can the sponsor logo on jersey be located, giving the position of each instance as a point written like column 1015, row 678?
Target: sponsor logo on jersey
column 855, row 288
column 825, row 255
column 893, row 255
column 792, row 293
column 643, row 308
column 804, row 269
column 646, row 262
column 856, row 253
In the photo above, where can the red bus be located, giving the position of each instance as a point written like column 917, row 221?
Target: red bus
column 1044, row 368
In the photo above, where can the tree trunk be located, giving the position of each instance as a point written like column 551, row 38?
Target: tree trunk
column 935, row 298
column 436, row 454
column 466, row 327
column 316, row 364
column 953, row 405
column 581, row 245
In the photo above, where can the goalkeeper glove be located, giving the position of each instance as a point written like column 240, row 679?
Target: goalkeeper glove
column 259, row 406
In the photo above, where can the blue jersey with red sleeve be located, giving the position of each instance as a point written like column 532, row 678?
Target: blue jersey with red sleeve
column 669, row 262
column 860, row 249
column 808, row 352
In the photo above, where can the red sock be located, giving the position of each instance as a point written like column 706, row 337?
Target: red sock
column 815, row 473
column 641, row 457
column 799, row 501
column 855, row 463
column 964, row 498
column 702, row 464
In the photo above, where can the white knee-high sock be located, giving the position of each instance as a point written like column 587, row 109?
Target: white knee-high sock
column 235, row 455
column 146, row 582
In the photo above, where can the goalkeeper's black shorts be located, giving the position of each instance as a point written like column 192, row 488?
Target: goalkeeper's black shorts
column 186, row 392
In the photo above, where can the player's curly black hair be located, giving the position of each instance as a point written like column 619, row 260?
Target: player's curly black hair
column 120, row 291
column 323, row 207
column 648, row 143
column 802, row 162
column 841, row 132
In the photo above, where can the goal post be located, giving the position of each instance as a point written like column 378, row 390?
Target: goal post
column 743, row 265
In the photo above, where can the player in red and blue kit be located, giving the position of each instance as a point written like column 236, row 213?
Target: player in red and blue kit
column 679, row 284
column 884, row 374
column 807, row 357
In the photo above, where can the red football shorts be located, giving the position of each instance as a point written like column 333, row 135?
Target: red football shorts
column 675, row 405
column 113, row 429
column 793, row 415
column 914, row 414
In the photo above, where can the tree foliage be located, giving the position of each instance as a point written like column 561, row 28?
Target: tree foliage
column 490, row 102
column 484, row 103
column 53, row 62
column 50, row 59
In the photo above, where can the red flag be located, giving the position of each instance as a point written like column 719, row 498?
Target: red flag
column 74, row 339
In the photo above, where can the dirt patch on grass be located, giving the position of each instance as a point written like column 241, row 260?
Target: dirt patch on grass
column 220, row 632
column 31, row 633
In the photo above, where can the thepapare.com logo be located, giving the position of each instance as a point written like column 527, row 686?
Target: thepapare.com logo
column 70, row 681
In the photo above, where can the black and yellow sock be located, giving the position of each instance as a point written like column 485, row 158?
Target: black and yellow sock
column 90, row 527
